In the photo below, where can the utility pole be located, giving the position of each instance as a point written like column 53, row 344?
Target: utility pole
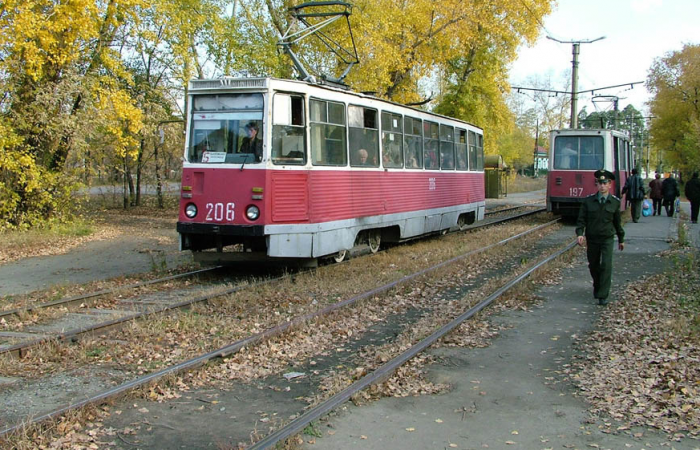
column 537, row 138
column 574, row 74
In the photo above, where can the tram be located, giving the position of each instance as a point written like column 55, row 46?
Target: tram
column 575, row 155
column 281, row 170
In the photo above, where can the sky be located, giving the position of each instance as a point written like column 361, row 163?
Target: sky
column 636, row 33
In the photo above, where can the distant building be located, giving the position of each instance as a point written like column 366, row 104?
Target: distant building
column 541, row 158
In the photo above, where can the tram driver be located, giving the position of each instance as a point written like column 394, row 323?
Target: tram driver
column 567, row 157
column 251, row 142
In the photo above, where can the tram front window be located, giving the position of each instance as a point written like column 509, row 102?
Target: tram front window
column 226, row 129
column 578, row 152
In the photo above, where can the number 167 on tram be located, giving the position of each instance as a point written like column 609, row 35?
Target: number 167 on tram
column 574, row 156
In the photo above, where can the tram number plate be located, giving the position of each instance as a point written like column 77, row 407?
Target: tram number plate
column 431, row 184
column 216, row 212
column 576, row 191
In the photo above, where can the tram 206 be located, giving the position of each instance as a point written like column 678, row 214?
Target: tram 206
column 283, row 170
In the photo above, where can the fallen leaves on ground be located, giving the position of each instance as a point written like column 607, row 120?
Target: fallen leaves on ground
column 643, row 363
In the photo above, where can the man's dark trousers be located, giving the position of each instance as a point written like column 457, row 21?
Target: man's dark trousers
column 636, row 209
column 600, row 265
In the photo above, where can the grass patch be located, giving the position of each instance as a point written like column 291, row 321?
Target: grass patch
column 40, row 236
column 312, row 430
column 526, row 184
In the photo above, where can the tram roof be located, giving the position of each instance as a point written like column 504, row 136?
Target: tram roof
column 589, row 131
column 264, row 83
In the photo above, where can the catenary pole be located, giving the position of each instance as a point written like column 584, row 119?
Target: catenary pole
column 576, row 49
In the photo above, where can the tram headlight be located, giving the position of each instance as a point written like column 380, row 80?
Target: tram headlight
column 252, row 212
column 191, row 210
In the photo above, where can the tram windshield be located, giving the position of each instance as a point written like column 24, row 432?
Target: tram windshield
column 226, row 129
column 578, row 152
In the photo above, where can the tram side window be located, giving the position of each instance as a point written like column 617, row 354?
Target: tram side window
column 447, row 149
column 431, row 155
column 413, row 143
column 479, row 152
column 630, row 154
column 328, row 143
column 461, row 155
column 363, row 137
column 472, row 151
column 288, row 130
column 621, row 153
column 392, row 142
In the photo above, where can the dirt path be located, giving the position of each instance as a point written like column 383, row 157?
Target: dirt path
column 133, row 245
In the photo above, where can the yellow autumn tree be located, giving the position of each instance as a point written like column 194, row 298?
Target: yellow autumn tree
column 58, row 68
column 461, row 49
column 674, row 81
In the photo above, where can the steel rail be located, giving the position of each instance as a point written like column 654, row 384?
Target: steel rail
column 298, row 424
column 510, row 208
column 19, row 349
column 255, row 338
column 67, row 300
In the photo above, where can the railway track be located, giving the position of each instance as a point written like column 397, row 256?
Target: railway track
column 80, row 299
column 384, row 371
column 260, row 336
column 73, row 324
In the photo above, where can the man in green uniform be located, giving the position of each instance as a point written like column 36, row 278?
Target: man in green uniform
column 599, row 216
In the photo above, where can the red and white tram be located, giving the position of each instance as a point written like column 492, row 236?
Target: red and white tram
column 575, row 155
column 289, row 169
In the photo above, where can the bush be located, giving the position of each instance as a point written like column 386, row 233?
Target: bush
column 32, row 195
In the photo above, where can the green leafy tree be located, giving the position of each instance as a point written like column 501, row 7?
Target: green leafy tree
column 674, row 81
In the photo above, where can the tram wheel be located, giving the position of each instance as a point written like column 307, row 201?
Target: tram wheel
column 374, row 240
column 340, row 256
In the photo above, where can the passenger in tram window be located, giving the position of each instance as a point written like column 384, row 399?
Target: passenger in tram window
column 447, row 161
column 431, row 156
column 361, row 158
column 391, row 156
column 461, row 160
column 251, row 142
column 413, row 163
column 568, row 157
column 386, row 160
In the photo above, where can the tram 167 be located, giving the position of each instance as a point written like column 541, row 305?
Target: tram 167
column 574, row 156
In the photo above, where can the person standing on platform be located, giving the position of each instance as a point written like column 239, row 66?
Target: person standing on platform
column 670, row 190
column 599, row 221
column 634, row 188
column 656, row 194
column 692, row 193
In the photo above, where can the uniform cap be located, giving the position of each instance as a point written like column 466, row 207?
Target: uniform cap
column 603, row 176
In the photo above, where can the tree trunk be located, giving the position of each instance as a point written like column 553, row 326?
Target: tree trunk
column 139, row 167
column 159, row 190
column 125, row 185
